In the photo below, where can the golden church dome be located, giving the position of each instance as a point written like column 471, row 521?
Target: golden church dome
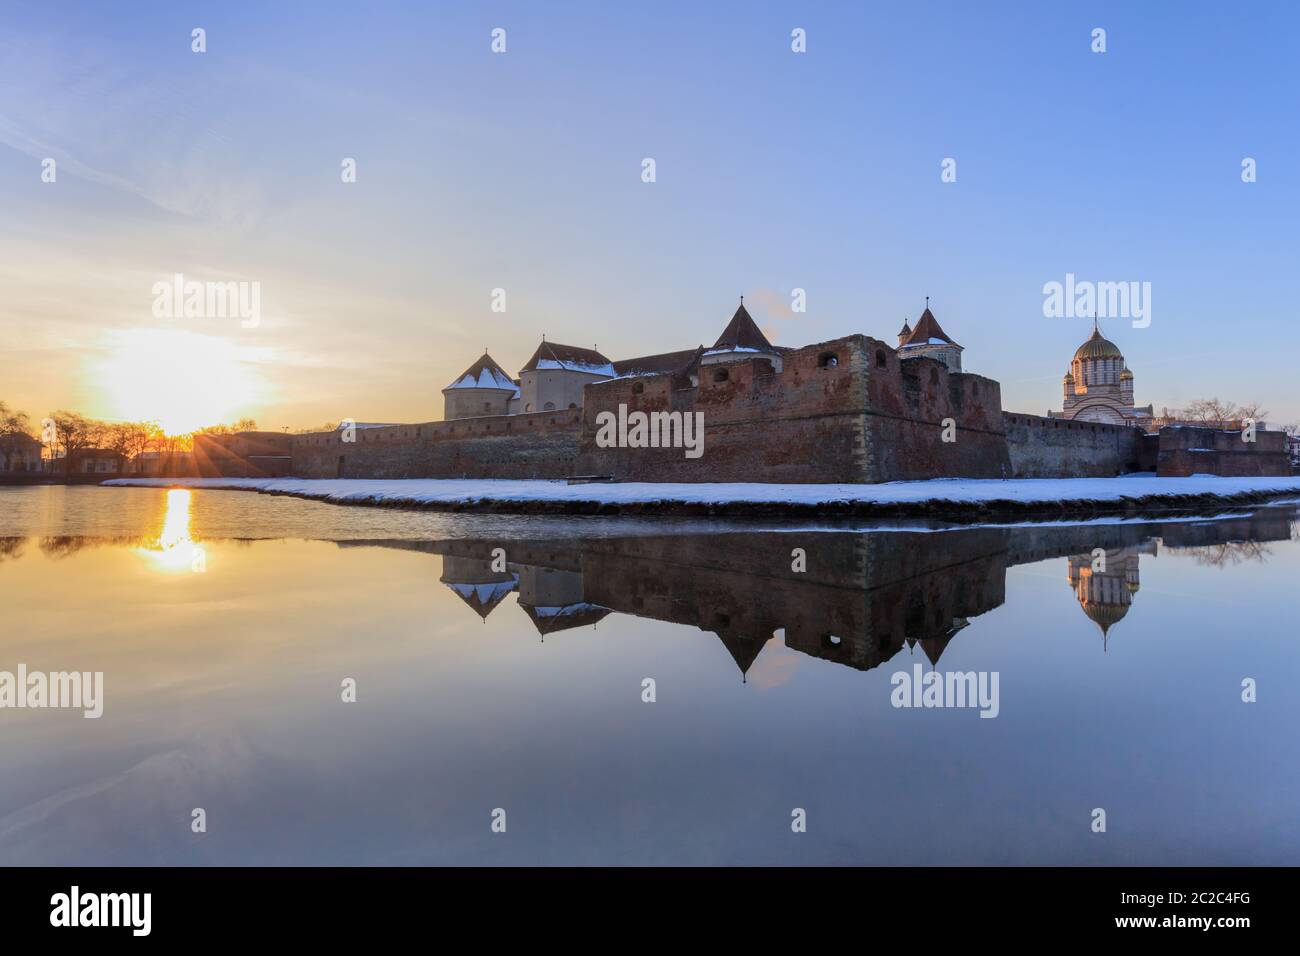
column 1098, row 347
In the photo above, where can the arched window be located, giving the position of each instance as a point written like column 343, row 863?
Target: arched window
column 548, row 407
column 721, row 375
column 881, row 361
column 572, row 405
column 828, row 360
column 638, row 388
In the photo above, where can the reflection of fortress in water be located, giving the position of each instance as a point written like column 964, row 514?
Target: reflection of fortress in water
column 863, row 597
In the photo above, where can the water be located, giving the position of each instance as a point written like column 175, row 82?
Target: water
column 521, row 689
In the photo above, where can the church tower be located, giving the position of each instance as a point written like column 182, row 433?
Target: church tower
column 1098, row 386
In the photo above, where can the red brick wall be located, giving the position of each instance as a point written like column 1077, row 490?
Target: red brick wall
column 853, row 421
column 1187, row 450
column 803, row 424
column 536, row 445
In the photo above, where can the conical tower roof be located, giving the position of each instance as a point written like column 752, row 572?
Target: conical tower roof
column 743, row 333
column 485, row 373
column 928, row 331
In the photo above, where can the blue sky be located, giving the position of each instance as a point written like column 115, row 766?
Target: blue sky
column 522, row 171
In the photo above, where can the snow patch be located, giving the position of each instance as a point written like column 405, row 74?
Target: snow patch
column 452, row 491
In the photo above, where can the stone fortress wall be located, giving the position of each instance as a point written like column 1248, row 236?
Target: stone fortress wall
column 853, row 409
column 1042, row 447
column 533, row 445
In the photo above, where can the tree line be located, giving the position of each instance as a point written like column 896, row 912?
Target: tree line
column 67, row 434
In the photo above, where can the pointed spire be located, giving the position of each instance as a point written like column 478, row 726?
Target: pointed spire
column 742, row 332
column 927, row 329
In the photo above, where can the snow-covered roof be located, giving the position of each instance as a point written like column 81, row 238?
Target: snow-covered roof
column 485, row 373
column 485, row 593
column 554, row 357
column 606, row 369
column 486, row 379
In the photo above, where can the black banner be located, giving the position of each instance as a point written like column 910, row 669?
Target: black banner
column 217, row 905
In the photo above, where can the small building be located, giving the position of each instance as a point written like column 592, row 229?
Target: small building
column 96, row 461
column 20, row 453
column 482, row 389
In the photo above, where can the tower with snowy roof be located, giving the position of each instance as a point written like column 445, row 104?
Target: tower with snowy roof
column 555, row 376
column 929, row 340
column 482, row 389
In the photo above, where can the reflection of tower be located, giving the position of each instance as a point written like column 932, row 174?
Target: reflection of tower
column 554, row 601
column 476, row 583
column 1105, row 585
column 744, row 640
column 934, row 645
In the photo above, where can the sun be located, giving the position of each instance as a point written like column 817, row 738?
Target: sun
column 181, row 380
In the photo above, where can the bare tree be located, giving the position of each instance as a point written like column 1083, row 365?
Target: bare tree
column 14, row 422
column 131, row 439
column 243, row 425
column 74, row 433
column 1229, row 553
column 1216, row 411
column 327, row 427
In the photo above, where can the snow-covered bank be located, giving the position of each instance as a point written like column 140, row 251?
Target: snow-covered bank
column 959, row 497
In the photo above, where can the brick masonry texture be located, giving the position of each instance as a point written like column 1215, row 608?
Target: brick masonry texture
column 1053, row 448
column 840, row 411
column 537, row 445
column 1186, row 450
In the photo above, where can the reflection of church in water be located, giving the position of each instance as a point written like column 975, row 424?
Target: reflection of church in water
column 862, row 598
column 1107, row 582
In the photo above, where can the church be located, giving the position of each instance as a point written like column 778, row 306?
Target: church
column 1098, row 386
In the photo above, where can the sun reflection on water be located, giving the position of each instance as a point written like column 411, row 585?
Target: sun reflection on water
column 175, row 550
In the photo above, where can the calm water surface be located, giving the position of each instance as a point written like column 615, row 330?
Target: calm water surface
column 520, row 687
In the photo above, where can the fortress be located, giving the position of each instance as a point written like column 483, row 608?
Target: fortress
column 852, row 409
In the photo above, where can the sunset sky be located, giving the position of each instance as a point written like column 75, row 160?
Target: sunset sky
column 522, row 171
